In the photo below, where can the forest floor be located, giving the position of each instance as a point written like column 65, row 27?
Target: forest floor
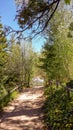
column 25, row 112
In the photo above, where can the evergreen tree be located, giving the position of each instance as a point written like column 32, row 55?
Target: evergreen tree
column 3, row 45
column 57, row 52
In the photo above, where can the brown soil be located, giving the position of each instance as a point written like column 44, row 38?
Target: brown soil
column 25, row 112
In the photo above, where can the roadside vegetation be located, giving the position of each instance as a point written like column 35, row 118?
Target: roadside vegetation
column 7, row 98
column 57, row 63
column 18, row 65
column 58, row 109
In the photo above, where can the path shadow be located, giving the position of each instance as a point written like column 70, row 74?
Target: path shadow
column 26, row 115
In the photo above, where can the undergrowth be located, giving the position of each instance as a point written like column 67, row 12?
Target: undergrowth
column 58, row 109
column 7, row 99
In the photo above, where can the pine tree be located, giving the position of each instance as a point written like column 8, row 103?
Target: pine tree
column 3, row 45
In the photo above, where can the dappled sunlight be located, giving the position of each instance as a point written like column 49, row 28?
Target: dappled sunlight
column 24, row 113
column 27, row 97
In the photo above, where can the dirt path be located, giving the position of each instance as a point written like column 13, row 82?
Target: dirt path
column 25, row 112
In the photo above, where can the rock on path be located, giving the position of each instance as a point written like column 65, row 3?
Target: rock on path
column 25, row 112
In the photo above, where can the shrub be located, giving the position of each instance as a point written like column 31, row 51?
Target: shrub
column 58, row 110
column 7, row 99
column 70, row 84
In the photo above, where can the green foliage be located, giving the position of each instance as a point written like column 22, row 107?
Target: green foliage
column 16, row 65
column 3, row 54
column 70, row 33
column 70, row 84
column 27, row 63
column 57, row 54
column 48, row 60
column 71, row 26
column 67, row 1
column 6, row 99
column 2, row 35
column 37, row 12
column 12, row 68
column 33, row 12
column 58, row 109
column 33, row 9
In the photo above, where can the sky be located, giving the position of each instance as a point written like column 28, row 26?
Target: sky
column 7, row 13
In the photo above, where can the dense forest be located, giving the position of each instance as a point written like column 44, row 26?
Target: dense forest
column 20, row 65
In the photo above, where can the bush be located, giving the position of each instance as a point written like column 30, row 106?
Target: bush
column 58, row 110
column 7, row 99
column 70, row 84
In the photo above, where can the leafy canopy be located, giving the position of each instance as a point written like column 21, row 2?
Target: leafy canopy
column 35, row 14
